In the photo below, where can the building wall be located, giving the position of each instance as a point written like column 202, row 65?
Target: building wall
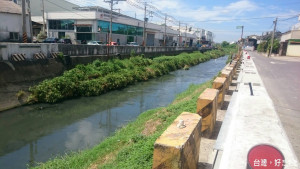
column 12, row 23
column 293, row 50
column 285, row 37
column 295, row 34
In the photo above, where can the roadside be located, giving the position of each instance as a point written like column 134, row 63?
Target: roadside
column 281, row 76
column 282, row 58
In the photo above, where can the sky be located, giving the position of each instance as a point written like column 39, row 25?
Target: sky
column 218, row 16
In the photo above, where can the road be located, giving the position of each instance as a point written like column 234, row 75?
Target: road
column 281, row 77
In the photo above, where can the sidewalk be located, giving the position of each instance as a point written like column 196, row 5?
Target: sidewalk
column 249, row 121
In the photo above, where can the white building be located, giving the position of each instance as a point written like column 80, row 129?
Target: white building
column 11, row 22
column 290, row 42
column 92, row 23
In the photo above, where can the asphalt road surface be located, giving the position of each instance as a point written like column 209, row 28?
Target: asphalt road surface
column 281, row 77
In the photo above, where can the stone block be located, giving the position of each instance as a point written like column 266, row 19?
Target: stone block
column 219, row 83
column 207, row 109
column 226, row 74
column 178, row 148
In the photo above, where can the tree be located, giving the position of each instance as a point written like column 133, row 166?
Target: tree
column 262, row 47
column 224, row 44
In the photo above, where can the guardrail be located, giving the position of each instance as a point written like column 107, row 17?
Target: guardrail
column 179, row 145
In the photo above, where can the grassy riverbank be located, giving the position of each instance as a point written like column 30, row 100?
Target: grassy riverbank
column 132, row 145
column 100, row 77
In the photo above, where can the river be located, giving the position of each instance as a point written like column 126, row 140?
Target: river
column 36, row 133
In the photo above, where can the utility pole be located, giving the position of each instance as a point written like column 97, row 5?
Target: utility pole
column 185, row 35
column 43, row 13
column 198, row 35
column 242, row 33
column 272, row 40
column 144, row 31
column 24, row 22
column 179, row 41
column 111, row 2
column 165, row 34
column 30, row 22
column 110, row 23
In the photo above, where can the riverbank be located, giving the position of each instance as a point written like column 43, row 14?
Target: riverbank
column 100, row 77
column 132, row 146
column 89, row 81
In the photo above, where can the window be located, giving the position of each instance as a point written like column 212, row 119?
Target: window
column 13, row 35
column 84, row 29
column 117, row 28
column 61, row 35
column 61, row 24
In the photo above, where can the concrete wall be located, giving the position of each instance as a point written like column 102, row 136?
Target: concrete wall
column 7, row 49
column 293, row 50
column 27, row 71
column 12, row 23
column 29, row 49
column 294, row 34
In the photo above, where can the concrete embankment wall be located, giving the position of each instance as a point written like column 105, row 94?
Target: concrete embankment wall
column 16, row 72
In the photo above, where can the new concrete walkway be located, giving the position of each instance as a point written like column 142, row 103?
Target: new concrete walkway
column 250, row 120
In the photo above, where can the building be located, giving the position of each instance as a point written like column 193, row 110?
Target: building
column 290, row 42
column 11, row 22
column 93, row 24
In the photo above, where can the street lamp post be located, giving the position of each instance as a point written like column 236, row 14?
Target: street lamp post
column 241, row 27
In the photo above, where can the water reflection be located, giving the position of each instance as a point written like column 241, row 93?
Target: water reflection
column 36, row 133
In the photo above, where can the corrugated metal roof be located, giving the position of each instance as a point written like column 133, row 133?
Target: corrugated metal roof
column 7, row 6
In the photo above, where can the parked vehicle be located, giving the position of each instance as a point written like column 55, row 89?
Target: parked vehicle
column 113, row 44
column 133, row 44
column 95, row 43
column 65, row 41
column 50, row 40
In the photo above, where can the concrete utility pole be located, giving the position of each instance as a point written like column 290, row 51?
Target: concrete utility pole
column 43, row 13
column 242, row 32
column 272, row 40
column 185, row 35
column 144, row 31
column 30, row 22
column 111, row 2
column 165, row 34
column 24, row 22
column 179, row 41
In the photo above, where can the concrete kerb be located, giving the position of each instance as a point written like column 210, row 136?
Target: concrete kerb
column 179, row 146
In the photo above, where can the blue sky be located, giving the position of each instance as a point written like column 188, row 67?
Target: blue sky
column 219, row 16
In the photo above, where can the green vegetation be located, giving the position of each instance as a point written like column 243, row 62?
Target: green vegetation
column 20, row 94
column 266, row 46
column 100, row 77
column 132, row 145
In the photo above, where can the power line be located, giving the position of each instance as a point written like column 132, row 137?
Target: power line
column 296, row 16
column 236, row 19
